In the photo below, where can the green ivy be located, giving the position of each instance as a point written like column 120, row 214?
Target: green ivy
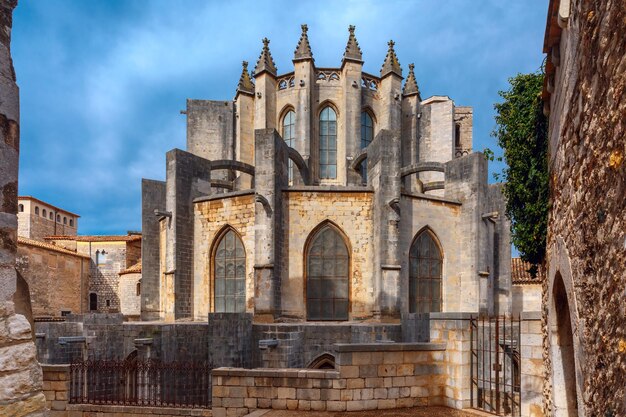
column 522, row 131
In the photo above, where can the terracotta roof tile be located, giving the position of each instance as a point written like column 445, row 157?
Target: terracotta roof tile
column 49, row 246
column 520, row 274
column 97, row 238
column 135, row 269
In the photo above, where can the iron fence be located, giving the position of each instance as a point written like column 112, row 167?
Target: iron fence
column 141, row 383
column 495, row 365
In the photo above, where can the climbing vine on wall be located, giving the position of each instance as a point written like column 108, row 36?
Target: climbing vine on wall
column 522, row 132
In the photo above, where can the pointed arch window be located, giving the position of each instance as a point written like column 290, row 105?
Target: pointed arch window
column 328, row 282
column 425, row 263
column 367, row 135
column 229, row 268
column 289, row 136
column 328, row 143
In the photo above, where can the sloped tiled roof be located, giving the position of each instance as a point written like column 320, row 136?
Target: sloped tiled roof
column 45, row 245
column 520, row 274
column 135, row 269
column 97, row 238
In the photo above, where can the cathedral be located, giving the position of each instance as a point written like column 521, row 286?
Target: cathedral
column 325, row 194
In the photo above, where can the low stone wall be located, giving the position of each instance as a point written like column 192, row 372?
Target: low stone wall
column 56, row 390
column 532, row 366
column 368, row 377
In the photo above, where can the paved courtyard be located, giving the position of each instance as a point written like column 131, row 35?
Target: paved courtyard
column 398, row 412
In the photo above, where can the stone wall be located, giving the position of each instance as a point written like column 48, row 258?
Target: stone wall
column 525, row 297
column 351, row 211
column 104, row 271
column 58, row 279
column 21, row 376
column 299, row 345
column 212, row 216
column 368, row 377
column 532, row 367
column 585, row 84
column 106, row 336
column 130, row 294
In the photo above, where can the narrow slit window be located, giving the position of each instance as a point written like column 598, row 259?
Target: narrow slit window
column 328, row 144
column 289, row 136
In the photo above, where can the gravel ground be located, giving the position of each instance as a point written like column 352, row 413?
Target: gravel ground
column 399, row 412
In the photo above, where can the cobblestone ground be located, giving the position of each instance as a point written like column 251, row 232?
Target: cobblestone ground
column 400, row 412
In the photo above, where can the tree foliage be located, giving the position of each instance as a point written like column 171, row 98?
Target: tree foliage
column 522, row 131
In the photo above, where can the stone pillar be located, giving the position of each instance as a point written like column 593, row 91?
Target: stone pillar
column 383, row 167
column 244, row 132
column 188, row 177
column 437, row 141
column 305, row 111
column 265, row 101
column 152, row 198
column 410, row 137
column 21, row 377
column 270, row 178
column 390, row 118
column 351, row 73
column 466, row 182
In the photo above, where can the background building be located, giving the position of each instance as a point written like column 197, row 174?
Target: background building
column 38, row 219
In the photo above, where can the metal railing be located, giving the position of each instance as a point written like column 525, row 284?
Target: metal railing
column 148, row 383
column 495, row 365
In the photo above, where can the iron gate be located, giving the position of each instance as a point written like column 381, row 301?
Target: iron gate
column 495, row 369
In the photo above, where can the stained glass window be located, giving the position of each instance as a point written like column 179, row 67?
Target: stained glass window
column 229, row 293
column 289, row 135
column 328, row 283
column 367, row 135
column 425, row 262
column 328, row 143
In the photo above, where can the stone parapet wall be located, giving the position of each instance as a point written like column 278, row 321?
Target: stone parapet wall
column 368, row 377
column 453, row 330
column 532, row 366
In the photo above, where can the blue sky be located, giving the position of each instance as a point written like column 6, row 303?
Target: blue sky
column 102, row 83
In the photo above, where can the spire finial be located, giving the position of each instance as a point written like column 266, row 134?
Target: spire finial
column 265, row 62
column 353, row 51
column 410, row 85
column 245, row 85
column 303, row 50
column 391, row 64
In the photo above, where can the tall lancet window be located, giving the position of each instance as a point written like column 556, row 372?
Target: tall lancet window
column 327, row 276
column 425, row 261
column 328, row 144
column 229, row 260
column 367, row 135
column 289, row 136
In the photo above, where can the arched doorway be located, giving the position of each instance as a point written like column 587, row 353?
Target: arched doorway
column 327, row 275
column 562, row 352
